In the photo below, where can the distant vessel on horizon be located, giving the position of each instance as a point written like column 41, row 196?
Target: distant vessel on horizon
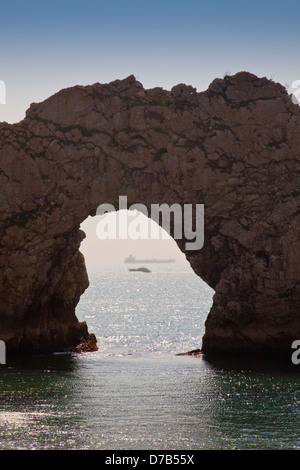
column 132, row 259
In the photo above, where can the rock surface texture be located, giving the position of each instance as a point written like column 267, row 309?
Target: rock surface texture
column 235, row 148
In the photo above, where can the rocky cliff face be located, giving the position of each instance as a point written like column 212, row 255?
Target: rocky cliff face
column 234, row 148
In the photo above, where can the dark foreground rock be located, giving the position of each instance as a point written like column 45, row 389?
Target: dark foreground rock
column 234, row 148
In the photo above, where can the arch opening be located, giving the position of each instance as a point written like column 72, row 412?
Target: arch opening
column 132, row 311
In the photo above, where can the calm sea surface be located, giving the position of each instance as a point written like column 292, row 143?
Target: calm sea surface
column 135, row 393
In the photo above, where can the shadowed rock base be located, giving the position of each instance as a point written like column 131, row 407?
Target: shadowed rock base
column 64, row 338
column 223, row 343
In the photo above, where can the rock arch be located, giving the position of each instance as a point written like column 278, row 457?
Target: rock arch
column 234, row 148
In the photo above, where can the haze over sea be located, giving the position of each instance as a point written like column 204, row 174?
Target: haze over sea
column 135, row 392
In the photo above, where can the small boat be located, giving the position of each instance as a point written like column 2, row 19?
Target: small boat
column 142, row 270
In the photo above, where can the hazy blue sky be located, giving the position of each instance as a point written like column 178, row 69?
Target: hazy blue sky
column 49, row 45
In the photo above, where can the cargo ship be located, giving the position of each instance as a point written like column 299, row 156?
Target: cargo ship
column 132, row 259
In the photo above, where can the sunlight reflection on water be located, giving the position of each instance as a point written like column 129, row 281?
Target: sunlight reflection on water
column 134, row 392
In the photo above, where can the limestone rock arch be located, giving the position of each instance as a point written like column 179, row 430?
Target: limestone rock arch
column 234, row 148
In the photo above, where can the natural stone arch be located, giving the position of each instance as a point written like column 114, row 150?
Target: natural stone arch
column 233, row 148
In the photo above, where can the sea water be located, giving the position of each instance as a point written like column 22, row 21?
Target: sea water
column 135, row 392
